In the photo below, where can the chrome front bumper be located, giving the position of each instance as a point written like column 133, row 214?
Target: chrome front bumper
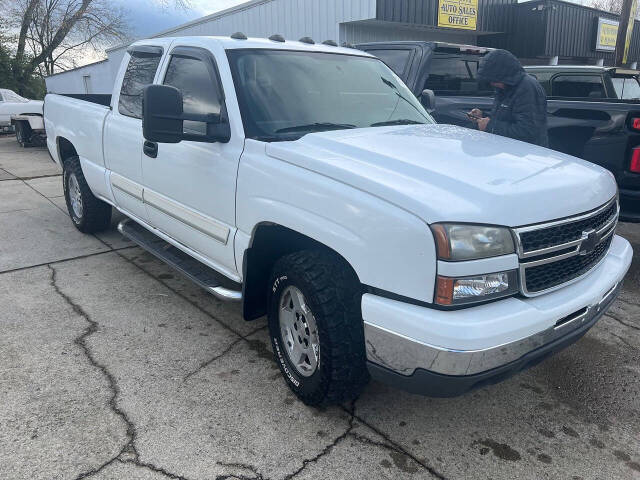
column 404, row 355
column 415, row 344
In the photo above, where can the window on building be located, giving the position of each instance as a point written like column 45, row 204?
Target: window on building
column 452, row 74
column 396, row 59
column 578, row 86
column 140, row 72
column 626, row 88
column 200, row 92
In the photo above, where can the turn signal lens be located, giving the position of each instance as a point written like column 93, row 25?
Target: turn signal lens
column 478, row 288
column 635, row 159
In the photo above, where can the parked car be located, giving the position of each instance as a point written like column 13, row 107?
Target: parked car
column 25, row 116
column 307, row 182
column 594, row 112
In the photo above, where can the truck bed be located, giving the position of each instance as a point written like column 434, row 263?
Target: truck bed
column 79, row 121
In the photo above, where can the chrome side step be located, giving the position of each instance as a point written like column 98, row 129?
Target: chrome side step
column 209, row 279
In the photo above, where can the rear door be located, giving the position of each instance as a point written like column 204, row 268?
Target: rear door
column 189, row 187
column 123, row 129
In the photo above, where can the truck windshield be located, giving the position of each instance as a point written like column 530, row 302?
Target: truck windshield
column 627, row 88
column 284, row 95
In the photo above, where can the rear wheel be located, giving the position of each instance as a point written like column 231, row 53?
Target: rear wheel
column 23, row 133
column 88, row 213
column 316, row 328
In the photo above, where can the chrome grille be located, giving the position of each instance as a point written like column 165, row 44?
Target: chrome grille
column 557, row 253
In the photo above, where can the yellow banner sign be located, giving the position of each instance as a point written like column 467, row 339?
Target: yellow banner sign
column 627, row 40
column 461, row 14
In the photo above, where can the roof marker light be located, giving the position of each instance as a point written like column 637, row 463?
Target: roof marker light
column 308, row 40
column 331, row 43
column 239, row 36
column 277, row 38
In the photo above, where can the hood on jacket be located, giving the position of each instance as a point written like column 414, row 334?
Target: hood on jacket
column 501, row 66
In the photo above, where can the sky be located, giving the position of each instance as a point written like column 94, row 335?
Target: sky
column 146, row 18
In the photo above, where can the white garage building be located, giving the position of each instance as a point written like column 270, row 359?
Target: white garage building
column 350, row 21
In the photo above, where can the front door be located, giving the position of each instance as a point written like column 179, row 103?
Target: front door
column 189, row 187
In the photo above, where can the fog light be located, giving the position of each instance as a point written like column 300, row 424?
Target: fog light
column 478, row 288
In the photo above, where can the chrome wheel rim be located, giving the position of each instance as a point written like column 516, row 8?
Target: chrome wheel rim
column 299, row 332
column 75, row 196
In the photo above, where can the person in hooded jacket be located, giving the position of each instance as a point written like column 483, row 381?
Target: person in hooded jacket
column 520, row 105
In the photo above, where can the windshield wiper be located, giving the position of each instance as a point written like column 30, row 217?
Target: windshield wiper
column 318, row 126
column 400, row 121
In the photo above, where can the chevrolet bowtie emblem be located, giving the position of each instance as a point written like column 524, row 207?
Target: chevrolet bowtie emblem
column 590, row 240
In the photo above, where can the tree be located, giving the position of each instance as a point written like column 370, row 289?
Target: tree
column 613, row 6
column 47, row 33
column 44, row 36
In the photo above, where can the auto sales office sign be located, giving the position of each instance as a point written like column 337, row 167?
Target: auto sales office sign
column 461, row 14
column 606, row 34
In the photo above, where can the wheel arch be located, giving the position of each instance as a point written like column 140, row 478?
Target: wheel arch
column 66, row 149
column 269, row 242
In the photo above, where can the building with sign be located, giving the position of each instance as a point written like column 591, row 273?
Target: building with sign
column 538, row 31
column 544, row 31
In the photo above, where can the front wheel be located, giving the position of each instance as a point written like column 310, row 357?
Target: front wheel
column 88, row 213
column 316, row 328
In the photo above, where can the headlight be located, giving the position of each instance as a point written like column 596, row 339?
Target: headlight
column 470, row 242
column 477, row 288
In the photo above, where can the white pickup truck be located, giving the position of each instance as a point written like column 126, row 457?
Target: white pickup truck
column 306, row 181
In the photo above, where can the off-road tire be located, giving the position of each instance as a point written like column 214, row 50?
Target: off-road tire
column 333, row 293
column 96, row 215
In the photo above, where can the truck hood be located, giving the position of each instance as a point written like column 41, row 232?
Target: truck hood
column 454, row 174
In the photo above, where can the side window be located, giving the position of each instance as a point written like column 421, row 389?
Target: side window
column 578, row 86
column 543, row 79
column 626, row 88
column 1, row 99
column 200, row 91
column 395, row 59
column 139, row 74
column 453, row 74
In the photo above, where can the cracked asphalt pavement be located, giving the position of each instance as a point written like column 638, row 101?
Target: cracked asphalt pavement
column 113, row 366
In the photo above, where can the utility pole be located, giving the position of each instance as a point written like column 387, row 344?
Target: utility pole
column 625, row 30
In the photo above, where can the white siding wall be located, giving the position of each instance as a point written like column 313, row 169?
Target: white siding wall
column 101, row 78
column 318, row 19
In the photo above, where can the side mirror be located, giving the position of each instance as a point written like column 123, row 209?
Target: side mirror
column 162, row 114
column 428, row 100
column 163, row 118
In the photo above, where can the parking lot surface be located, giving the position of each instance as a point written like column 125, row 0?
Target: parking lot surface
column 116, row 367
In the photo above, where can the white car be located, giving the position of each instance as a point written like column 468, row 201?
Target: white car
column 25, row 115
column 307, row 182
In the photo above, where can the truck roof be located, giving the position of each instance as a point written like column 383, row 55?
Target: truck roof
column 229, row 43
column 435, row 45
column 582, row 69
